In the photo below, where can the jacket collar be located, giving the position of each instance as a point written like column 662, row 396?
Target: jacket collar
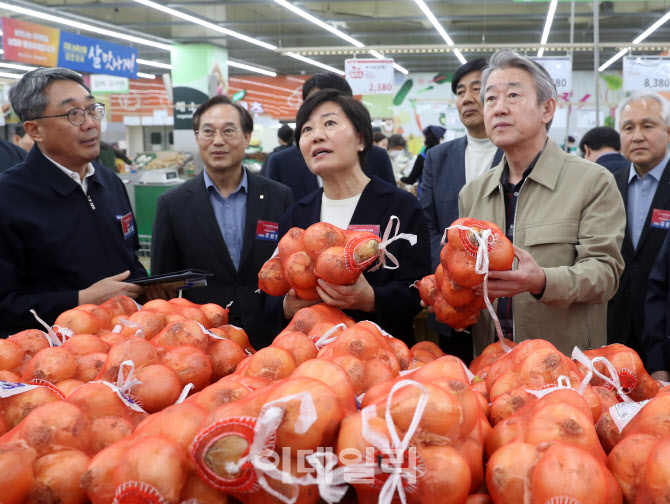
column 54, row 176
column 545, row 171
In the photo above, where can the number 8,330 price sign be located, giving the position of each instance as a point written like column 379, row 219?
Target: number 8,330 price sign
column 370, row 76
column 646, row 73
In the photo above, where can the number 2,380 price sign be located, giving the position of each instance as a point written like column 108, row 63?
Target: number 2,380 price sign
column 646, row 73
column 370, row 76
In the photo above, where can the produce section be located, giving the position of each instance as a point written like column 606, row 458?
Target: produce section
column 168, row 403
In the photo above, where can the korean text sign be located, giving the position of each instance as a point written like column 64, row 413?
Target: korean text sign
column 86, row 54
column 29, row 42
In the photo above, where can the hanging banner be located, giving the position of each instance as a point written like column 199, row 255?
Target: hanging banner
column 560, row 69
column 199, row 71
column 369, row 76
column 86, row 54
column 646, row 73
column 29, row 43
column 39, row 45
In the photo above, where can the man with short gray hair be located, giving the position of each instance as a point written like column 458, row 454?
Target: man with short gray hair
column 67, row 227
column 644, row 128
column 563, row 214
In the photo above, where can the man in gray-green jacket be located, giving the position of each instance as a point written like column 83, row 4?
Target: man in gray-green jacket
column 564, row 215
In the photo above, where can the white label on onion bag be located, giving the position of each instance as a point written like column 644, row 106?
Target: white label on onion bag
column 623, row 413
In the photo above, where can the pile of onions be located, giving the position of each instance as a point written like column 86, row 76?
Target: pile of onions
column 444, row 459
column 449, row 291
column 322, row 251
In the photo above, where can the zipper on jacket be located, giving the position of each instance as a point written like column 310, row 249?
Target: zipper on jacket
column 90, row 202
column 516, row 208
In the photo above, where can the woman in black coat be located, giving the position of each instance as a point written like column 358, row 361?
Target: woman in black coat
column 334, row 134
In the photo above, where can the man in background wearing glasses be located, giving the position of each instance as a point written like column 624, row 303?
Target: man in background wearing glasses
column 225, row 220
column 67, row 227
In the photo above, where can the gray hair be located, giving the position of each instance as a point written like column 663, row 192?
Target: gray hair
column 646, row 95
column 27, row 96
column 545, row 88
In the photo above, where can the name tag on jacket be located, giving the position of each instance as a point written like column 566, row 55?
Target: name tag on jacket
column 660, row 218
column 266, row 230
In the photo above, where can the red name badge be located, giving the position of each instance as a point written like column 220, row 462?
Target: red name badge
column 365, row 228
column 127, row 224
column 266, row 230
column 660, row 218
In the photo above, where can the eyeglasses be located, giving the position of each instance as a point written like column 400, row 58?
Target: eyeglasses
column 228, row 133
column 77, row 116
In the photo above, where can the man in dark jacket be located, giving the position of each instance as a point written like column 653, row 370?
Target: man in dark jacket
column 225, row 220
column 10, row 155
column 289, row 168
column 448, row 167
column 602, row 145
column 67, row 227
column 285, row 139
column 644, row 123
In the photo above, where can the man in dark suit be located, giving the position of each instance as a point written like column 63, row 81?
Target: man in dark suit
column 288, row 166
column 10, row 154
column 644, row 120
column 602, row 145
column 448, row 167
column 225, row 220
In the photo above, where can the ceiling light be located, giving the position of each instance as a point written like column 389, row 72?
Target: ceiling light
column 154, row 64
column 613, row 59
column 379, row 55
column 315, row 63
column 547, row 26
column 639, row 39
column 422, row 5
column 251, row 68
column 145, row 76
column 652, row 28
column 8, row 75
column 318, row 22
column 83, row 26
column 206, row 24
column 17, row 67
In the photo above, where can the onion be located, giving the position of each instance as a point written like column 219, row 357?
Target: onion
column 16, row 472
column 108, row 430
column 298, row 345
column 185, row 332
column 270, row 363
column 52, row 364
column 79, row 321
column 191, row 366
column 224, row 356
column 132, row 348
column 159, row 388
column 290, row 243
column 82, row 344
column 120, row 305
column 57, row 478
column 97, row 479
column 11, row 355
column 89, row 366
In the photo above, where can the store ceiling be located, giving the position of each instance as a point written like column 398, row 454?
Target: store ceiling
column 397, row 28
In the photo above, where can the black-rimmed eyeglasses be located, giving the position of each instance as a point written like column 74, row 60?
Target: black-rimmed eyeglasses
column 77, row 116
column 207, row 134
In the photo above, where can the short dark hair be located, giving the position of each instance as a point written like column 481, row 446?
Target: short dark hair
column 326, row 80
column 378, row 136
column 246, row 121
column 396, row 140
column 353, row 109
column 602, row 136
column 471, row 66
column 285, row 133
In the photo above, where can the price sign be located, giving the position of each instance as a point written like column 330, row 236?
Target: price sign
column 370, row 76
column 560, row 69
column 650, row 73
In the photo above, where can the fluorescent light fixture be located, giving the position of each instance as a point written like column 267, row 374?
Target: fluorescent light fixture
column 206, row 24
column 83, row 26
column 639, row 39
column 550, row 19
column 314, row 62
column 652, row 28
column 145, row 76
column 613, row 59
column 2, row 52
column 14, row 66
column 431, row 17
column 251, row 68
column 8, row 75
column 379, row 55
column 318, row 22
column 154, row 64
